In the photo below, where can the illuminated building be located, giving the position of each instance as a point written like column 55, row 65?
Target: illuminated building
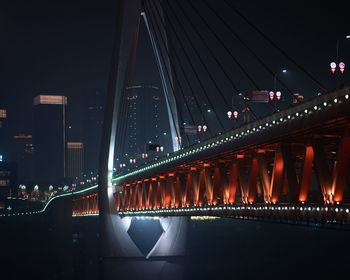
column 3, row 115
column 49, row 137
column 75, row 159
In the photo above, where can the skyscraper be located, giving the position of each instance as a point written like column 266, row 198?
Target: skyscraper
column 93, row 123
column 24, row 156
column 3, row 116
column 75, row 159
column 147, row 122
column 50, row 138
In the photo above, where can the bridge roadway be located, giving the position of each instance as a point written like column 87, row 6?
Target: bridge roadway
column 275, row 167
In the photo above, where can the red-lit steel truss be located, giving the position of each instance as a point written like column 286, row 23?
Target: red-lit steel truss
column 292, row 165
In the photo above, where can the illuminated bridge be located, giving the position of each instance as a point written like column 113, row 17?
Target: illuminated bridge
column 260, row 170
column 257, row 150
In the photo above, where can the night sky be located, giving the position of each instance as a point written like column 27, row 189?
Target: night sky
column 64, row 47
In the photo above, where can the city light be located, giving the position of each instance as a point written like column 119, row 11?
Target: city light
column 333, row 67
column 278, row 95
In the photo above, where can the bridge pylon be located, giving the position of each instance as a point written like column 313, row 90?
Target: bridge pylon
column 117, row 248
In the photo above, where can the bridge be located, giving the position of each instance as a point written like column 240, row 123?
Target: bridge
column 262, row 169
column 285, row 163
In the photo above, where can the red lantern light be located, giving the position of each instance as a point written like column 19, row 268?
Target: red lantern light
column 143, row 155
column 157, row 149
column 333, row 66
column 235, row 114
column 199, row 128
column 134, row 160
column 229, row 114
column 278, row 95
column 271, row 95
column 342, row 67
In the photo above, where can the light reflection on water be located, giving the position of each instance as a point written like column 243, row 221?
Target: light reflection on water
column 246, row 249
column 217, row 249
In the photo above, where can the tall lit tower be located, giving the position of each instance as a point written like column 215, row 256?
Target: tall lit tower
column 50, row 137
column 147, row 121
column 75, row 159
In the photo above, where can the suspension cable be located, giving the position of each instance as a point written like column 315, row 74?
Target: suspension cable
column 194, row 71
column 167, row 73
column 172, row 64
column 247, row 47
column 275, row 45
column 228, row 51
column 183, row 72
column 201, row 60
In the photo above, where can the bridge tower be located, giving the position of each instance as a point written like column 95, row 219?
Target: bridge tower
column 116, row 244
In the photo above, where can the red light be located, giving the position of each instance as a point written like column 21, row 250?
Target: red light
column 235, row 114
column 271, row 95
column 157, row 149
column 342, row 67
column 199, row 128
column 204, row 128
column 161, row 148
column 229, row 114
column 120, row 165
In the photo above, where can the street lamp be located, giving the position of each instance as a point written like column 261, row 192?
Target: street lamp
column 341, row 65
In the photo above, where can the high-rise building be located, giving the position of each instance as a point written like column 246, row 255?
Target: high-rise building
column 93, row 123
column 3, row 116
column 8, row 179
column 49, row 137
column 24, row 156
column 147, row 123
column 75, row 159
column 6, row 149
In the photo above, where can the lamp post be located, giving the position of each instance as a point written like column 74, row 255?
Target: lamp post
column 341, row 65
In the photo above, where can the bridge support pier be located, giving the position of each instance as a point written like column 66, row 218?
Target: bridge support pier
column 120, row 256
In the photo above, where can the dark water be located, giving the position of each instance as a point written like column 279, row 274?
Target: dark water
column 217, row 249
